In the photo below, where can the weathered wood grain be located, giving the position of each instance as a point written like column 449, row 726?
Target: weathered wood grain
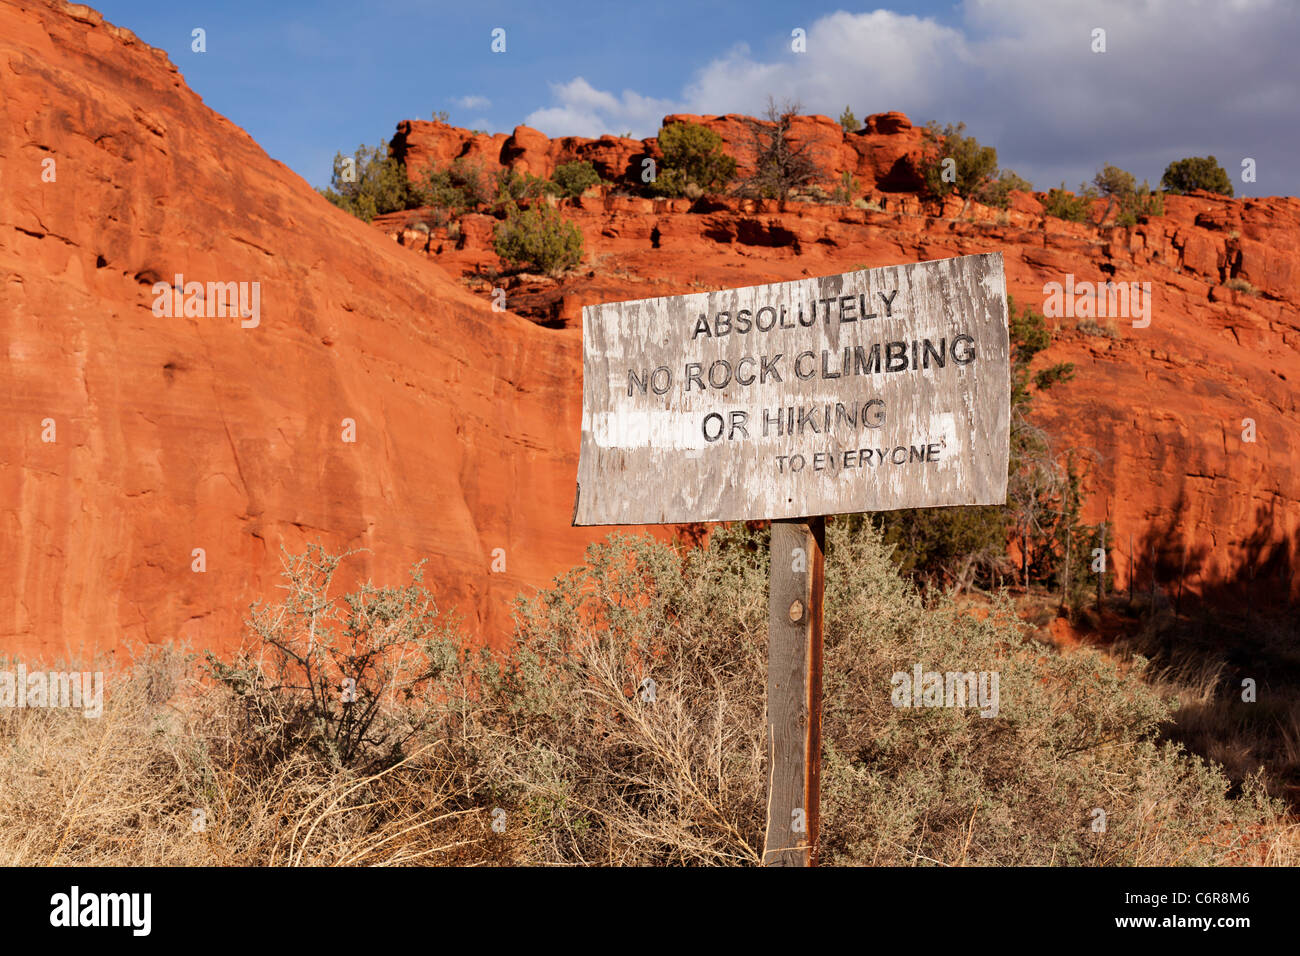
column 707, row 446
column 794, row 692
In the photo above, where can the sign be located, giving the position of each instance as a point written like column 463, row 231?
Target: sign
column 868, row 391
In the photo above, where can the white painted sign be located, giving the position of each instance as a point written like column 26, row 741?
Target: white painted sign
column 868, row 391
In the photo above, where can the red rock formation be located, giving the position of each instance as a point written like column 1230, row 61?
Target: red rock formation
column 884, row 155
column 421, row 144
column 1159, row 409
column 180, row 433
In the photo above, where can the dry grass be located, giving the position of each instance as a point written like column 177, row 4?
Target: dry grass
column 560, row 743
column 124, row 790
column 1200, row 662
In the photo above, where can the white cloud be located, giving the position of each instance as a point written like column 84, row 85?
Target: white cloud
column 1179, row 77
column 583, row 110
column 473, row 102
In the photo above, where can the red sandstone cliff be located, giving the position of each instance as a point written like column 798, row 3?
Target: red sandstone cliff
column 1158, row 409
column 179, row 433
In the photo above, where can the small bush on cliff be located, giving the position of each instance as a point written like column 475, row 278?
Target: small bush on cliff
column 513, row 187
column 847, row 190
column 1127, row 200
column 573, row 179
column 1063, row 204
column 848, row 122
column 973, row 171
column 538, row 237
column 463, row 186
column 692, row 154
column 369, row 183
column 1196, row 172
column 782, row 165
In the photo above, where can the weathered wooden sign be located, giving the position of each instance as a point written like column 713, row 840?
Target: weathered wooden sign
column 868, row 391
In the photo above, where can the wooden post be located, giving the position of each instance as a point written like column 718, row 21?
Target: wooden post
column 794, row 691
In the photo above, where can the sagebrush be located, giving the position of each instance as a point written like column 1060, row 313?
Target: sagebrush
column 621, row 724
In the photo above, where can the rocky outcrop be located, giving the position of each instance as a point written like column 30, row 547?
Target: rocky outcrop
column 884, row 155
column 1158, row 408
column 152, row 467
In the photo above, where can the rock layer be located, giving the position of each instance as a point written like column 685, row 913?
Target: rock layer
column 131, row 440
column 177, row 434
column 1159, row 410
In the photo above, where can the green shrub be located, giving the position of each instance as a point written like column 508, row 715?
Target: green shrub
column 573, row 179
column 848, row 121
column 610, row 772
column 691, row 154
column 847, row 190
column 974, row 170
column 461, row 187
column 370, row 184
column 1129, row 201
column 998, row 192
column 1046, row 378
column 539, row 237
column 1112, row 181
column 1063, row 204
column 1140, row 205
column 1196, row 172
column 513, row 187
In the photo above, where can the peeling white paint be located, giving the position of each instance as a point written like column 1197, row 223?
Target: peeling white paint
column 646, row 458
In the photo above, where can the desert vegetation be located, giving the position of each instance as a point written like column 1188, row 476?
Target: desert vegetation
column 531, row 233
column 622, row 724
column 693, row 161
column 1128, row 201
column 955, row 162
column 538, row 238
column 1196, row 172
column 1061, row 203
column 783, row 166
column 368, row 183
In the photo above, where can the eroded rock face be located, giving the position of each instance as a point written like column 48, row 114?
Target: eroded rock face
column 884, row 155
column 177, row 434
column 1159, row 408
column 184, row 433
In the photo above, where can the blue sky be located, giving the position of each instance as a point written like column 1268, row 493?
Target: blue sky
column 1177, row 78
